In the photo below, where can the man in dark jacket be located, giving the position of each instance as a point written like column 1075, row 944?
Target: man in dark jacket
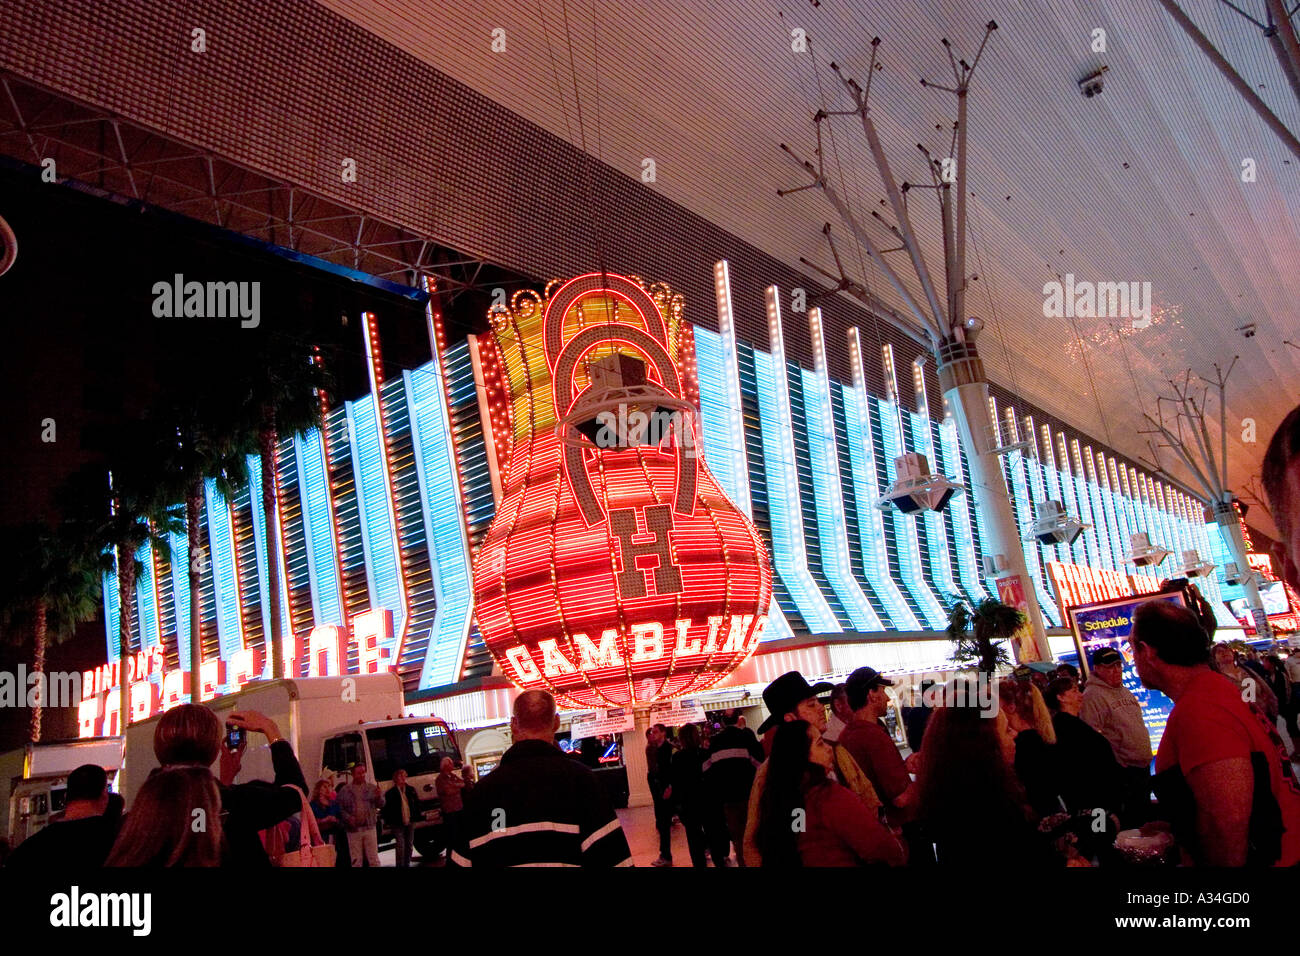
column 1088, row 774
column 401, row 807
column 734, row 756
column 539, row 807
column 84, row 835
column 659, row 756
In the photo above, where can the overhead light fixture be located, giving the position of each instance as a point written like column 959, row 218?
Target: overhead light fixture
column 915, row 489
column 1143, row 553
column 1193, row 566
column 1053, row 526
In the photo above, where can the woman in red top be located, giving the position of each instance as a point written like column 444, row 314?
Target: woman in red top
column 806, row 818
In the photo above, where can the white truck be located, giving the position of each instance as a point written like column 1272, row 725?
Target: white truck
column 34, row 780
column 332, row 723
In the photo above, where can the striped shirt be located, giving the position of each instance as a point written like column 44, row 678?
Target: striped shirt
column 539, row 807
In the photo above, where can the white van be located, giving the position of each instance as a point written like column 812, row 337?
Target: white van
column 34, row 780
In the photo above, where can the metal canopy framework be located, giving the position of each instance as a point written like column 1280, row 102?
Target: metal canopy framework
column 127, row 162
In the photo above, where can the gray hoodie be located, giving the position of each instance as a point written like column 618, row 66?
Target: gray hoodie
column 1116, row 714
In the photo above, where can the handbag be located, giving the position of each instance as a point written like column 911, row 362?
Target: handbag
column 312, row 848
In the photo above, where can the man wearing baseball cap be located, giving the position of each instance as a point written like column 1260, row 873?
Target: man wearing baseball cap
column 791, row 697
column 871, row 745
column 1111, row 710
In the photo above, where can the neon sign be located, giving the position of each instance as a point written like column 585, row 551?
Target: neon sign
column 323, row 653
column 615, row 570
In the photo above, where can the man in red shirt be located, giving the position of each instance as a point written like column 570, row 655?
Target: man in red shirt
column 870, row 744
column 1222, row 776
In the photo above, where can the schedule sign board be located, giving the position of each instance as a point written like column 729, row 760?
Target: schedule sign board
column 1109, row 624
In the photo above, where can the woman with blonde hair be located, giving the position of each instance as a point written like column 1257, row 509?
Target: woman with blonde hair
column 1029, row 722
column 174, row 821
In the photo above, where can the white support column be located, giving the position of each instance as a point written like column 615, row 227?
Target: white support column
column 961, row 374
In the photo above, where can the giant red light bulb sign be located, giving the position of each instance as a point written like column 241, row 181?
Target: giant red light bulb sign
column 615, row 570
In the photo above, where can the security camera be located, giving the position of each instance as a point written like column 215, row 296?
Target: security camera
column 1091, row 84
column 1247, row 331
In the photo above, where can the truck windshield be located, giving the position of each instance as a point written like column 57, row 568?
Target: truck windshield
column 415, row 748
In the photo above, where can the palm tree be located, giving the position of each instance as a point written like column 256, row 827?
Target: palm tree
column 199, row 439
column 979, row 631
column 127, row 505
column 282, row 397
column 51, row 584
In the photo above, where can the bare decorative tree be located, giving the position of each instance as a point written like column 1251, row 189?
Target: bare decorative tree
column 932, row 313
column 1182, row 424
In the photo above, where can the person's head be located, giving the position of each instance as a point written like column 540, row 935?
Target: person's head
column 399, row 779
column 1224, row 658
column 800, row 760
column 446, row 765
column 1108, row 666
column 1068, row 670
column 535, row 717
column 790, row 697
column 730, row 718
column 87, row 793
column 840, row 703
column 161, row 828
column 1023, row 705
column 359, row 773
column 689, row 735
column 967, row 781
column 1167, row 643
column 1281, row 479
column 187, row 734
column 1063, row 696
column 323, row 792
column 866, row 692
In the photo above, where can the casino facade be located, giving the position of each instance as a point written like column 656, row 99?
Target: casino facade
column 383, row 513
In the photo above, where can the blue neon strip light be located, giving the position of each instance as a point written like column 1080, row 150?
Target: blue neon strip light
column 1033, row 561
column 382, row 567
column 180, row 546
column 941, row 562
column 724, row 450
column 322, row 568
column 112, row 618
column 909, row 551
column 871, row 520
column 147, row 609
column 441, row 503
column 967, row 561
column 723, row 434
column 830, row 504
column 229, row 638
column 790, row 555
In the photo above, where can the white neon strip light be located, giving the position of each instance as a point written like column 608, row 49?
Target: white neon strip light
column 827, row 483
column 785, row 511
column 871, row 523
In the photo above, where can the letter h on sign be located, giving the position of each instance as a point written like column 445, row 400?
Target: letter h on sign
column 632, row 580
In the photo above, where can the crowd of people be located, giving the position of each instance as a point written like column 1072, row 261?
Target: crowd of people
column 1047, row 771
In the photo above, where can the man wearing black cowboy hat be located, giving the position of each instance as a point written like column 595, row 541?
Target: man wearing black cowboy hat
column 791, row 697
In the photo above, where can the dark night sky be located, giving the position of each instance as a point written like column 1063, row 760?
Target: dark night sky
column 81, row 344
